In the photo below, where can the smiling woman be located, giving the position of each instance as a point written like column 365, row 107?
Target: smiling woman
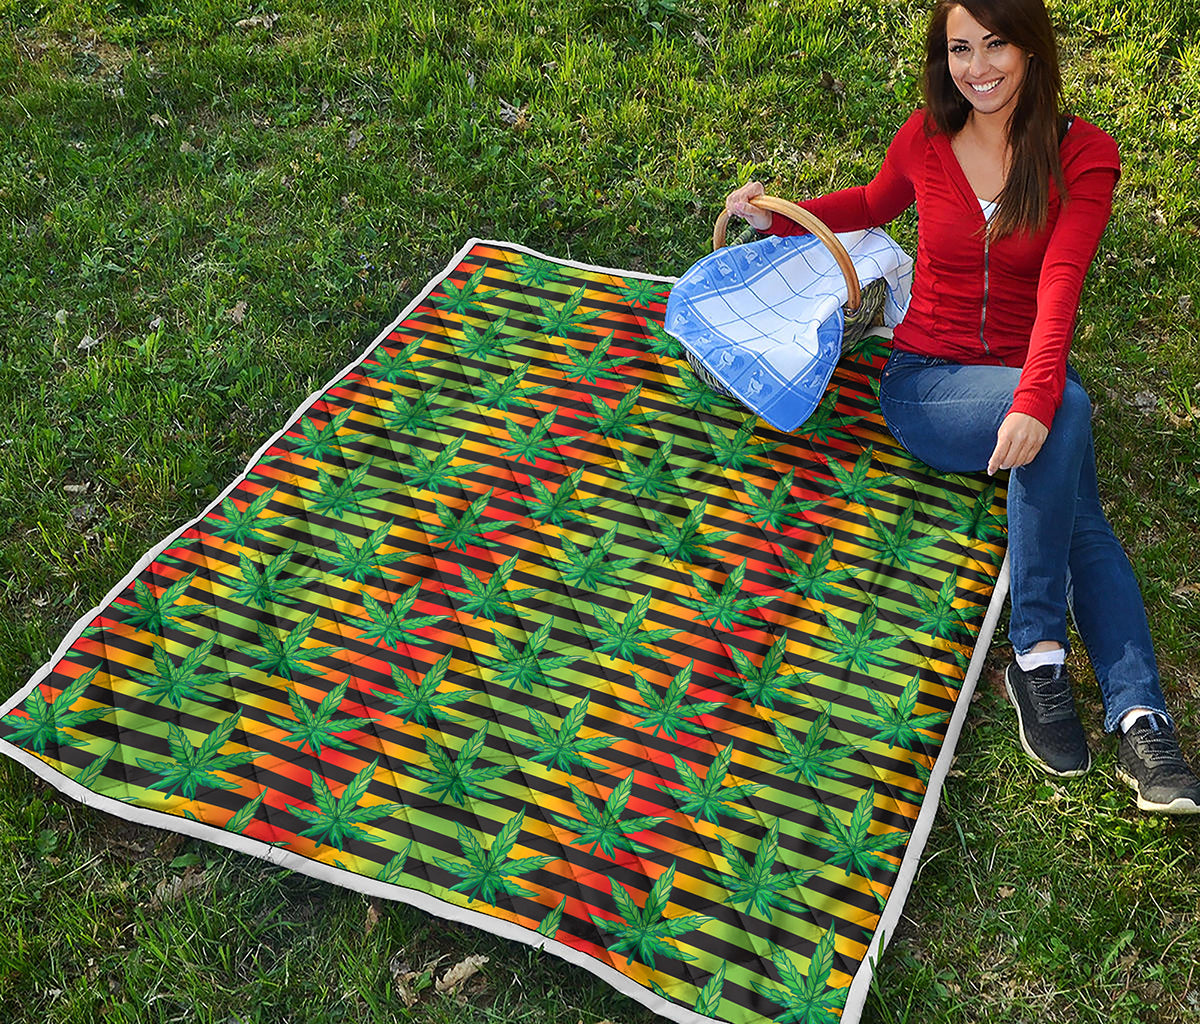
column 1013, row 196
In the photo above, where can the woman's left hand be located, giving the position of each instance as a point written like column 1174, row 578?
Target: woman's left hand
column 1018, row 441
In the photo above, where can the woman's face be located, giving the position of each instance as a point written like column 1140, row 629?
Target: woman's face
column 988, row 70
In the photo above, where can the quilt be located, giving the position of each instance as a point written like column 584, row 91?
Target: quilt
column 518, row 622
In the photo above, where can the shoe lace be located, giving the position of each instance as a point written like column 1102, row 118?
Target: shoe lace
column 1053, row 693
column 1159, row 750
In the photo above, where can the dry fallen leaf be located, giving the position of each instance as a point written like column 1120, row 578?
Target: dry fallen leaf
column 514, row 116
column 158, row 120
column 171, row 889
column 87, row 341
column 1005, row 891
column 354, row 139
column 238, row 312
column 460, row 972
column 60, row 317
column 186, row 147
column 372, row 917
column 1145, row 401
column 406, row 980
column 257, row 21
column 832, row 84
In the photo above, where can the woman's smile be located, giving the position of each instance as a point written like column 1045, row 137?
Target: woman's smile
column 986, row 69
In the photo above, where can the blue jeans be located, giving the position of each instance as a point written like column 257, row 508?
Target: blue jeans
column 1062, row 550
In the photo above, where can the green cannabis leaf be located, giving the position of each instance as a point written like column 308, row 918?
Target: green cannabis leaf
column 334, row 820
column 898, row 723
column 627, row 639
column 527, row 667
column 45, row 723
column 176, row 683
column 709, row 798
column 320, row 441
column 465, row 298
column 852, row 845
column 242, row 524
column 644, row 931
column 154, row 614
column 670, row 711
column 725, row 607
column 592, row 569
column 421, row 702
column 394, row 625
column 600, row 826
column 283, row 654
column 190, row 767
column 807, row 998
column 490, row 871
column 758, row 884
column 316, row 728
column 564, row 747
column 807, row 759
column 457, row 778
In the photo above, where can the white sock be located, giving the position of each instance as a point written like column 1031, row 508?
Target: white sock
column 1128, row 719
column 1036, row 659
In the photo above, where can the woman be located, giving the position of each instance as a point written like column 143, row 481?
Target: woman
column 1012, row 198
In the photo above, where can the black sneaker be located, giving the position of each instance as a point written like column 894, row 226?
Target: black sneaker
column 1149, row 760
column 1049, row 727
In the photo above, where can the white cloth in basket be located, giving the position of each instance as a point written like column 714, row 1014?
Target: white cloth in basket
column 766, row 318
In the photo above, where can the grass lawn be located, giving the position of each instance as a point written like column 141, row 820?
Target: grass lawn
column 200, row 221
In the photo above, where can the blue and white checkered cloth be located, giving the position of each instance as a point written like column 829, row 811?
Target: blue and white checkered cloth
column 766, row 318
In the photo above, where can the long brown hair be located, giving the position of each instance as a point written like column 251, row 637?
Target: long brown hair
column 1036, row 125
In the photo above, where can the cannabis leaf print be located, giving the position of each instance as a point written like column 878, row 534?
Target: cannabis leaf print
column 709, row 798
column 457, row 778
column 242, row 524
column 464, row 299
column 284, row 654
column 335, row 820
column 393, row 625
column 726, row 607
column 526, row 667
column 155, row 614
column 757, row 883
column 318, row 442
column 424, row 701
column 491, row 870
column 563, row 748
column 852, row 845
column 671, row 711
column 318, row 728
column 897, row 722
column 602, row 826
column 44, row 723
column 809, row 759
column 175, row 682
column 191, row 767
column 628, row 639
column 646, row 932
column 806, row 998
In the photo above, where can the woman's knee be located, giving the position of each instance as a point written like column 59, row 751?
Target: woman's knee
column 1074, row 417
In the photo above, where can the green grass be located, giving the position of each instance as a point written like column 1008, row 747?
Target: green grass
column 160, row 167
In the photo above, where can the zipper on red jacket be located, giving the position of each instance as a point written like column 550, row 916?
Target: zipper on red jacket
column 983, row 309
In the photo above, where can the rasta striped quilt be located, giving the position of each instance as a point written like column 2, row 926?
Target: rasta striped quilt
column 517, row 622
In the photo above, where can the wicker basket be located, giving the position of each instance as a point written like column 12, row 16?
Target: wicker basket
column 862, row 308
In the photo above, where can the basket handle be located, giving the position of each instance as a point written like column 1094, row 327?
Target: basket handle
column 806, row 220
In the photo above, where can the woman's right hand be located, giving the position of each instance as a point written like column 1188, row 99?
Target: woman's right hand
column 737, row 204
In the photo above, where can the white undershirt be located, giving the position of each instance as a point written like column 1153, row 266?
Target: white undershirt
column 988, row 206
